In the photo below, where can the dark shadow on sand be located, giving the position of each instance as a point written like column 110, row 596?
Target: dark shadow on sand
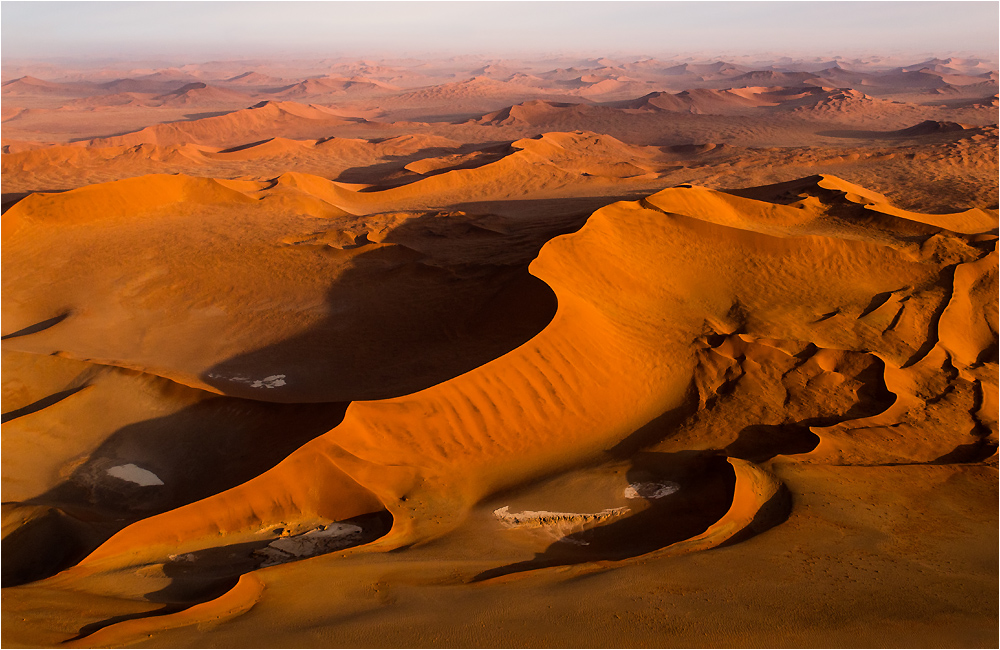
column 449, row 293
column 196, row 452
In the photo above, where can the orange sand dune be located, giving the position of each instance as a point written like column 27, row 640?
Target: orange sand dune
column 833, row 101
column 61, row 167
column 773, row 78
column 267, row 119
column 336, row 86
column 586, row 352
column 698, row 101
column 476, row 95
column 198, row 94
column 788, row 337
column 890, row 164
column 538, row 112
column 254, row 78
column 32, row 86
column 861, row 154
column 555, row 160
column 323, row 241
column 99, row 102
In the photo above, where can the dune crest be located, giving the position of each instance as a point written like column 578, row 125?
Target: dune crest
column 260, row 121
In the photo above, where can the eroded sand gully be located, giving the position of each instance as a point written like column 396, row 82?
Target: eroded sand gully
column 470, row 372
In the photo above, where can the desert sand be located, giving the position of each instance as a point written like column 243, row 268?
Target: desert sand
column 562, row 353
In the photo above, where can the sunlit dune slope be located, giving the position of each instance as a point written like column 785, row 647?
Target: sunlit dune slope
column 163, row 224
column 64, row 167
column 198, row 94
column 743, row 349
column 264, row 120
column 651, row 295
column 703, row 101
column 477, row 93
column 933, row 165
column 543, row 113
column 547, row 161
column 335, row 86
column 28, row 86
column 531, row 165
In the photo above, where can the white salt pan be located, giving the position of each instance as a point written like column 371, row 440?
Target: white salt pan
column 134, row 474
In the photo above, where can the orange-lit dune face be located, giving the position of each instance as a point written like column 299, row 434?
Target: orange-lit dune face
column 539, row 353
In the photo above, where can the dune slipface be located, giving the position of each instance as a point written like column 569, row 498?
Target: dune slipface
column 617, row 353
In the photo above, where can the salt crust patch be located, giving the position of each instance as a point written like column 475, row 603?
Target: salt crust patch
column 650, row 490
column 134, row 474
column 540, row 518
column 332, row 538
column 560, row 525
column 274, row 381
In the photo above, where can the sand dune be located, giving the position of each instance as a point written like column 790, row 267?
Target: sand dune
column 773, row 78
column 200, row 94
column 172, row 75
column 475, row 95
column 253, row 78
column 574, row 352
column 697, row 101
column 710, row 342
column 129, row 99
column 32, row 86
column 306, row 249
column 837, row 101
column 336, row 86
column 400, row 160
column 151, row 85
column 538, row 113
column 929, row 127
column 263, row 120
column 429, row 93
column 717, row 68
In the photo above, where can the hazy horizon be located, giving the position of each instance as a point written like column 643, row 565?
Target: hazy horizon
column 168, row 32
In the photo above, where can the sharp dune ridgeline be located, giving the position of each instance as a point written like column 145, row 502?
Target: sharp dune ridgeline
column 589, row 353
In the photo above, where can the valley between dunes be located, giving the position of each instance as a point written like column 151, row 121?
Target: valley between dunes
column 640, row 354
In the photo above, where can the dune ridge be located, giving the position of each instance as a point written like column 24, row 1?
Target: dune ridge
column 260, row 121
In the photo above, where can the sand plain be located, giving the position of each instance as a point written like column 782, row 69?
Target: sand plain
column 591, row 353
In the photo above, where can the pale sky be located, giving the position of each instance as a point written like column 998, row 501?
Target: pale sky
column 195, row 31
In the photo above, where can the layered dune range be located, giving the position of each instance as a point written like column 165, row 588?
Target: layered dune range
column 267, row 383
column 961, row 160
column 627, row 98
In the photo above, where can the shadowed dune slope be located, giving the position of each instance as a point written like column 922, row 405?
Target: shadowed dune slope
column 283, row 266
